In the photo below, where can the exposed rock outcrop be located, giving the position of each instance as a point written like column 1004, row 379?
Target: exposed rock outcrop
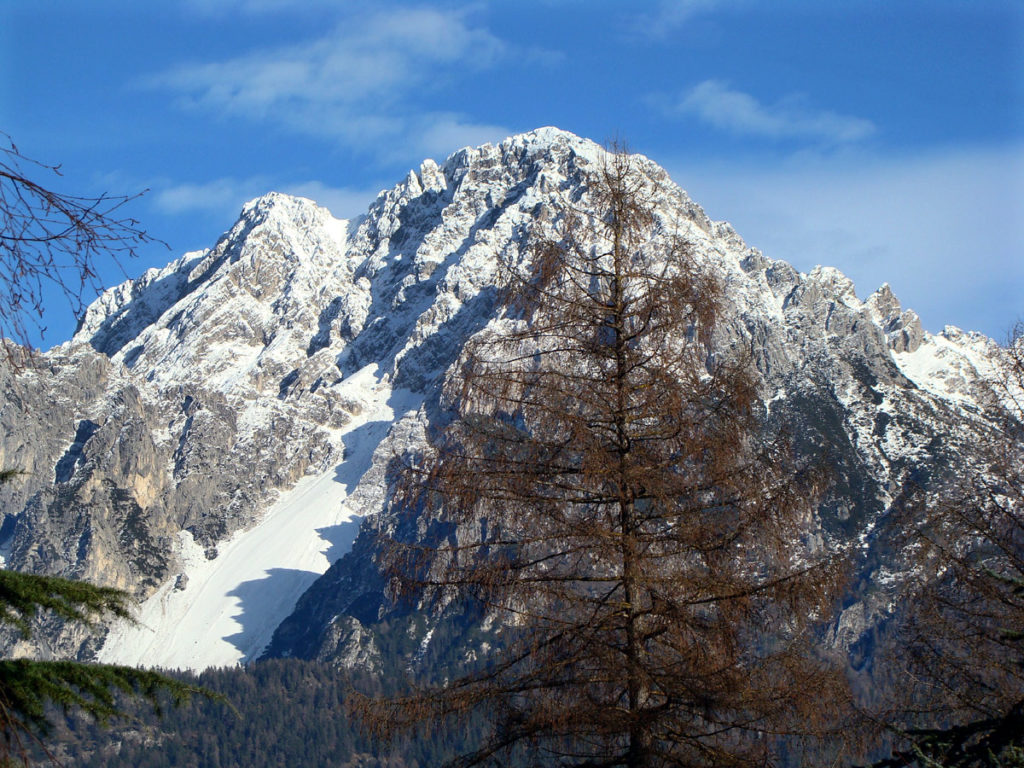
column 189, row 399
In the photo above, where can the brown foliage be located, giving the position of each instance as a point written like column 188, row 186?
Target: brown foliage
column 643, row 543
column 961, row 649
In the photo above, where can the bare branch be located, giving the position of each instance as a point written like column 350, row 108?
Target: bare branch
column 47, row 237
column 644, row 540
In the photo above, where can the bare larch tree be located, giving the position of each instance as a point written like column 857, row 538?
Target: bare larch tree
column 621, row 514
column 959, row 648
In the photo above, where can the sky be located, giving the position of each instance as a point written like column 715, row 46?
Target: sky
column 885, row 138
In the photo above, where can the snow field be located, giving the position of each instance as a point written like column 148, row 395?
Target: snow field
column 231, row 604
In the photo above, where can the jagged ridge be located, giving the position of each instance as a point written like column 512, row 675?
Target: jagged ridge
column 199, row 393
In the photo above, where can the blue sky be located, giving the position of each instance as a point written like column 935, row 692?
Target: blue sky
column 884, row 138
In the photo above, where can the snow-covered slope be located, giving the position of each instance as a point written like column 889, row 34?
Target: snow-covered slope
column 226, row 602
column 246, row 399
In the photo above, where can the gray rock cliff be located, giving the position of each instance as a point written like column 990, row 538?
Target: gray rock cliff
column 192, row 398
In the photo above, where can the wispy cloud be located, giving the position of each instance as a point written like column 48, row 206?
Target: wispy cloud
column 667, row 16
column 223, row 197
column 220, row 196
column 342, row 202
column 943, row 227
column 439, row 133
column 217, row 7
column 670, row 14
column 715, row 103
column 355, row 84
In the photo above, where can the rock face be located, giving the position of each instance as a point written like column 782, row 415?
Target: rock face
column 192, row 398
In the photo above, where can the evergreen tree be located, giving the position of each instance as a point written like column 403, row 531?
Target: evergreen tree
column 30, row 690
column 47, row 236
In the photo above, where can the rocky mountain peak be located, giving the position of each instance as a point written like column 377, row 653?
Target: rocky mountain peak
column 902, row 328
column 246, row 399
column 288, row 208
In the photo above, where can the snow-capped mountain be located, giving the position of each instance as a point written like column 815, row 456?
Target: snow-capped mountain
column 216, row 429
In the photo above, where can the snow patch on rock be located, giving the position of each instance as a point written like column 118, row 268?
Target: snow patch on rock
column 223, row 607
column 949, row 364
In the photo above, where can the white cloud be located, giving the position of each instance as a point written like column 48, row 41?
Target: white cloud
column 221, row 196
column 342, row 202
column 667, row 16
column 944, row 229
column 438, row 134
column 354, row 84
column 225, row 196
column 716, row 104
column 340, row 68
column 252, row 7
column 670, row 14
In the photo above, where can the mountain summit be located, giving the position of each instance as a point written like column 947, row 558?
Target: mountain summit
column 216, row 430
